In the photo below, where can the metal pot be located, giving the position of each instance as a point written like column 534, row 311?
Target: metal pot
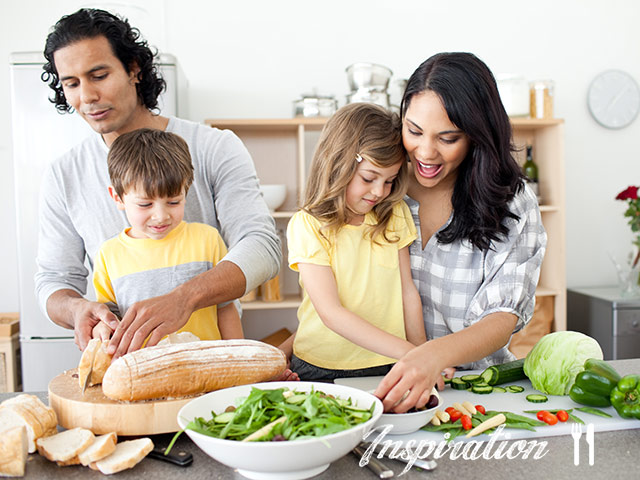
column 368, row 76
column 315, row 106
column 370, row 96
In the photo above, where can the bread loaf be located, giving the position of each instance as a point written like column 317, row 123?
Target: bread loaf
column 191, row 368
column 94, row 361
column 13, row 451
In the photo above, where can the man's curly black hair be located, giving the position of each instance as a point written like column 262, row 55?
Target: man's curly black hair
column 125, row 42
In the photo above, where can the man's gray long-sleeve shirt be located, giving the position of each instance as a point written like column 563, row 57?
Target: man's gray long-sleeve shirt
column 77, row 214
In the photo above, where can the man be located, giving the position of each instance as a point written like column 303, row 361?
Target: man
column 98, row 66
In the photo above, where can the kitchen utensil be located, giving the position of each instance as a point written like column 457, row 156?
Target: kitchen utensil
column 278, row 460
column 369, row 96
column 404, row 455
column 102, row 415
column 315, row 106
column 370, row 76
column 274, row 195
column 514, row 93
column 375, row 465
column 181, row 458
column 87, row 380
column 590, row 442
column 576, row 433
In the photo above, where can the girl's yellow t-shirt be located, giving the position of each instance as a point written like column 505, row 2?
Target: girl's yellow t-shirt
column 368, row 280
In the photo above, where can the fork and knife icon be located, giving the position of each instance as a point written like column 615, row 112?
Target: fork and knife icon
column 576, row 433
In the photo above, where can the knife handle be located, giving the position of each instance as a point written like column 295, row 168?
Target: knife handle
column 375, row 465
column 182, row 459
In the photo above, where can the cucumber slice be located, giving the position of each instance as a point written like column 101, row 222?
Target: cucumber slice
column 473, row 379
column 481, row 389
column 459, row 384
column 499, row 390
column 515, row 389
column 537, row 398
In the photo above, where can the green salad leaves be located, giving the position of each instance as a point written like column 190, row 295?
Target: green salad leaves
column 282, row 414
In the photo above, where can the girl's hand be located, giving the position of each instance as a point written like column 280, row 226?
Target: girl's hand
column 416, row 373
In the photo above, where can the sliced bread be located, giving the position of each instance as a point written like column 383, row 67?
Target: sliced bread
column 101, row 447
column 63, row 446
column 86, row 360
column 126, row 455
column 38, row 419
column 101, row 362
column 13, row 451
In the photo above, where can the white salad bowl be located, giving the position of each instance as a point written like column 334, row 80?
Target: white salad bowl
column 285, row 460
column 402, row 423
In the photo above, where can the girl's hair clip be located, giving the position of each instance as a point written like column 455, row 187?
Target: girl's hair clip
column 358, row 158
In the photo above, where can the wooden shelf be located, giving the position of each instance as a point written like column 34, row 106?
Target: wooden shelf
column 289, row 301
column 268, row 124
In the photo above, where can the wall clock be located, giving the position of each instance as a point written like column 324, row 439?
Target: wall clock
column 614, row 99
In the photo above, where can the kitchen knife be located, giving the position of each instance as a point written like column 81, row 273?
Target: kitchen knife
column 180, row 458
column 88, row 379
column 375, row 465
column 403, row 455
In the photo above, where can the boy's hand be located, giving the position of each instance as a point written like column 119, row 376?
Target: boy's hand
column 102, row 331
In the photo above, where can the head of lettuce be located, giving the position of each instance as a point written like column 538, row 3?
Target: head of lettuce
column 554, row 362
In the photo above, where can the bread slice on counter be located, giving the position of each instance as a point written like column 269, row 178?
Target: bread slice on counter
column 39, row 419
column 14, row 450
column 64, row 446
column 126, row 455
column 102, row 446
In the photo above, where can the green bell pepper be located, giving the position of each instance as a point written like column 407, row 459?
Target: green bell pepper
column 594, row 384
column 625, row 397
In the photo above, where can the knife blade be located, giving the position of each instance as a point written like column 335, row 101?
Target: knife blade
column 375, row 465
column 88, row 379
column 404, row 455
column 590, row 442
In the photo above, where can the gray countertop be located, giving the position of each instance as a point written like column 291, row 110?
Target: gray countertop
column 616, row 456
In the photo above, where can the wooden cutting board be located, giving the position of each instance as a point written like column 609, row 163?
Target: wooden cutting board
column 102, row 415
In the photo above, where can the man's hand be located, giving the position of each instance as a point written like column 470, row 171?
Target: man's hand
column 89, row 317
column 154, row 317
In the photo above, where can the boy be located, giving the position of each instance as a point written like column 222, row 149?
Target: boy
column 151, row 172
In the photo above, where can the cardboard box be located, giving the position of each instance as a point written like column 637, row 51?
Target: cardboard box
column 9, row 324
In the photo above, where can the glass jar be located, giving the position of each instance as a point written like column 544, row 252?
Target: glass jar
column 541, row 99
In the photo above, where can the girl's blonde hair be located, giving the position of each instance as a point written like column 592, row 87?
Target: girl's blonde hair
column 356, row 129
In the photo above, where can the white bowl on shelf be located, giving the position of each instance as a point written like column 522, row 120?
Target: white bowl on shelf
column 286, row 460
column 274, row 195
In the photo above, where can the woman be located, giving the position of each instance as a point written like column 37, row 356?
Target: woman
column 480, row 242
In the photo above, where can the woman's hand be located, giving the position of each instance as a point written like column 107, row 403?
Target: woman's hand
column 416, row 373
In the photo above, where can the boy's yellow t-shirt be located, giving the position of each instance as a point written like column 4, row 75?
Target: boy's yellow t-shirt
column 368, row 280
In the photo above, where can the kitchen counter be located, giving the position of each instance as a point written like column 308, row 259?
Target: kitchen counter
column 616, row 456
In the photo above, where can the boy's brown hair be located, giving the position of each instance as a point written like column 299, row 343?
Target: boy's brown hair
column 158, row 162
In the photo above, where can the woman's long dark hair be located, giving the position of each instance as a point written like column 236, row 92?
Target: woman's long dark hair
column 489, row 176
column 125, row 42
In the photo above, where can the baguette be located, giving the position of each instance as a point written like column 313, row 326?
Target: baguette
column 126, row 455
column 101, row 362
column 102, row 446
column 86, row 360
column 174, row 371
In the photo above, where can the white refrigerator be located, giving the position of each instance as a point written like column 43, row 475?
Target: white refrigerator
column 41, row 134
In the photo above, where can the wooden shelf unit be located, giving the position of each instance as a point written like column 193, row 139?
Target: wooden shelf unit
column 282, row 150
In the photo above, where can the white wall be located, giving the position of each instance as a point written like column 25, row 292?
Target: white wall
column 250, row 58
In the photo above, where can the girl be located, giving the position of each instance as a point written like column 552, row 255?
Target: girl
column 361, row 310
